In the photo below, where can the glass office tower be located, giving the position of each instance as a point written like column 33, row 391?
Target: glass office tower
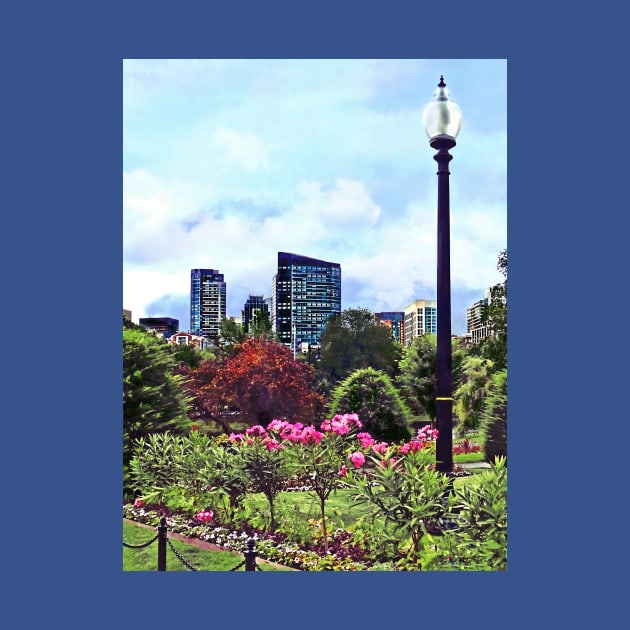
column 207, row 302
column 306, row 291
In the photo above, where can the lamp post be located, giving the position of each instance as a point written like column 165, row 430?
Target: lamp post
column 442, row 120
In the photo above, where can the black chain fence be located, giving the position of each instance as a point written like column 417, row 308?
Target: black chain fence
column 163, row 542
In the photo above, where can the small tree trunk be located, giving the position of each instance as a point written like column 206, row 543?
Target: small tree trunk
column 323, row 503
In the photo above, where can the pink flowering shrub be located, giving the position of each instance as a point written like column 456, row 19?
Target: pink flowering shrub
column 357, row 458
column 205, row 516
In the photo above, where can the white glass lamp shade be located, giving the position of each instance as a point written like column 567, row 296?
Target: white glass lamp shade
column 442, row 116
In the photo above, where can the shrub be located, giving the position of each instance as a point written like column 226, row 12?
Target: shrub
column 480, row 510
column 372, row 396
column 494, row 422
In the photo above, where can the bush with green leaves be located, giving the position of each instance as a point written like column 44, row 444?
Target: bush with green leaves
column 265, row 465
column 153, row 396
column 478, row 542
column 407, row 496
column 494, row 418
column 371, row 395
column 172, row 469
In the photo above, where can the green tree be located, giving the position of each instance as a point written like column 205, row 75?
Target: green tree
column 153, row 397
column 352, row 340
column 231, row 336
column 372, row 396
column 189, row 355
column 494, row 347
column 470, row 395
column 494, row 418
column 260, row 326
column 417, row 368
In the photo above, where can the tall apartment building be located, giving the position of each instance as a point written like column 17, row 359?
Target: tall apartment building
column 306, row 291
column 255, row 304
column 207, row 302
column 395, row 321
column 475, row 325
column 420, row 318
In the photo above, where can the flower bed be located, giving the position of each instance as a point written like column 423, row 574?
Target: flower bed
column 341, row 556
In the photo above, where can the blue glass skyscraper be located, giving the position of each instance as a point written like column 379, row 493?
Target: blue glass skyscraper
column 207, row 302
column 306, row 291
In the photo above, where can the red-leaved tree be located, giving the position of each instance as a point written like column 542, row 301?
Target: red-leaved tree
column 258, row 382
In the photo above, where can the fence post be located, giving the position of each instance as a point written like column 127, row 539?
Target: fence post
column 250, row 556
column 161, row 561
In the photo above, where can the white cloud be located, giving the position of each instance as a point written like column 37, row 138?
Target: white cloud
column 241, row 149
column 230, row 161
column 349, row 205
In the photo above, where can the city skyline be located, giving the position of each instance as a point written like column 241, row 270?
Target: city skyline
column 227, row 162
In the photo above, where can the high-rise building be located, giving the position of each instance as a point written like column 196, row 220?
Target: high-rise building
column 163, row 326
column 475, row 319
column 306, row 291
column 207, row 302
column 420, row 318
column 255, row 304
column 395, row 321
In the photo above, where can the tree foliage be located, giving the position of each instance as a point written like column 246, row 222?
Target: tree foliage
column 494, row 418
column 353, row 340
column 475, row 377
column 417, row 377
column 260, row 326
column 189, row 355
column 494, row 347
column 372, row 396
column 257, row 382
column 153, row 397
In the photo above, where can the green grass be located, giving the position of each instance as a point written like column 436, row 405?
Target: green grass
column 341, row 510
column 145, row 559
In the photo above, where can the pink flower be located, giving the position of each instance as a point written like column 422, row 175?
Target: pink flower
column 341, row 424
column 311, row 434
column 137, row 503
column 380, row 447
column 366, row 439
column 236, row 437
column 277, row 425
column 353, row 418
column 413, row 446
column 256, row 430
column 357, row 458
column 205, row 515
column 343, row 472
column 291, row 432
column 427, row 433
column 272, row 444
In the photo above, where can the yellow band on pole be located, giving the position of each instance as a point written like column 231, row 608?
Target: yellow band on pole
column 442, row 398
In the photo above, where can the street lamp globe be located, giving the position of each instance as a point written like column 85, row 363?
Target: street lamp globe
column 442, row 116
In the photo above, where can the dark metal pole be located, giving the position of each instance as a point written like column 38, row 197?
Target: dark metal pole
column 250, row 556
column 444, row 379
column 161, row 562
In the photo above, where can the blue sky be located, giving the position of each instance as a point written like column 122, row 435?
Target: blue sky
column 227, row 162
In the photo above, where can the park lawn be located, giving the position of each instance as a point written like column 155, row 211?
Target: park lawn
column 341, row 510
column 145, row 559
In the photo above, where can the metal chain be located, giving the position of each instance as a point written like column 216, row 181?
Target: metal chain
column 238, row 566
column 179, row 556
column 140, row 546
